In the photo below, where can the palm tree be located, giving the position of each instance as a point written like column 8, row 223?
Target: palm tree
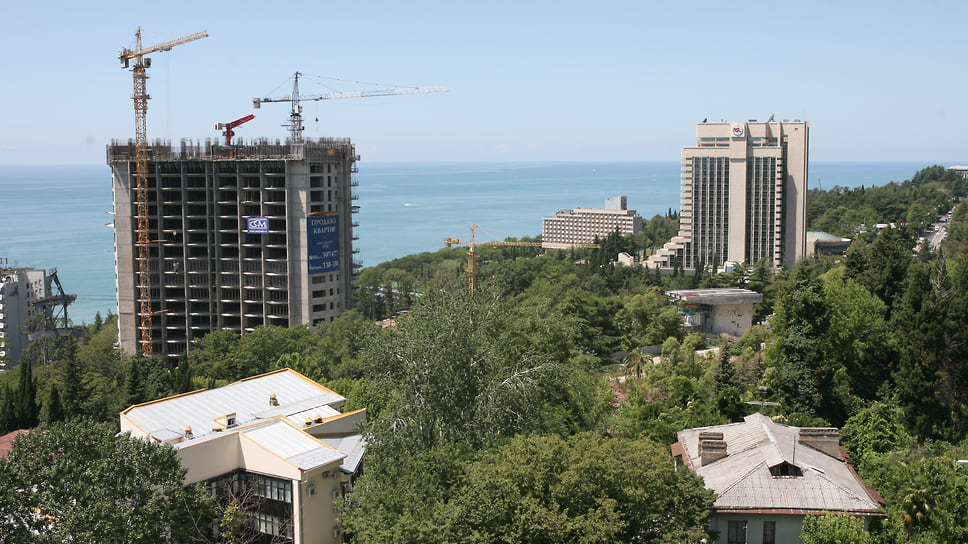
column 635, row 364
column 915, row 511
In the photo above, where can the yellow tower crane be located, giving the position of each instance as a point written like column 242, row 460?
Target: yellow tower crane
column 472, row 244
column 141, row 64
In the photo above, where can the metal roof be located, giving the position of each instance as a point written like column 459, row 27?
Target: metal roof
column 248, row 400
column 293, row 445
column 716, row 296
column 352, row 446
column 742, row 480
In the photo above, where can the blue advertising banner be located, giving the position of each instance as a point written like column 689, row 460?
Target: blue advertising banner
column 257, row 225
column 322, row 243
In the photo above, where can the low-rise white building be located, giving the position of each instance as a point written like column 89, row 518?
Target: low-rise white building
column 279, row 437
column 584, row 225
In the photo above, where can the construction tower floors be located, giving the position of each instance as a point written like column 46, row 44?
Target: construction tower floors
column 239, row 236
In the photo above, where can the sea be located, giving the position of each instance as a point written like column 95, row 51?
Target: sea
column 61, row 216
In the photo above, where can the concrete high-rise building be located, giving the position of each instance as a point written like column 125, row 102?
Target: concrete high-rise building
column 584, row 225
column 20, row 291
column 744, row 196
column 245, row 235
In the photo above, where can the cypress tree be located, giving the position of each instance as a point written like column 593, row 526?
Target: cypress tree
column 725, row 373
column 26, row 410
column 135, row 389
column 55, row 412
column 73, row 394
column 7, row 420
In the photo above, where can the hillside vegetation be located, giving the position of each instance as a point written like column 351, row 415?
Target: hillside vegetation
column 528, row 412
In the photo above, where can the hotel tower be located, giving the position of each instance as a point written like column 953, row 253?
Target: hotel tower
column 744, row 197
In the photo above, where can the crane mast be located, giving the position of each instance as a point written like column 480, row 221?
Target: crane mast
column 295, row 124
column 472, row 244
column 139, row 71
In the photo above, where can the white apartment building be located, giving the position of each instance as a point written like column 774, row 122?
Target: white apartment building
column 20, row 289
column 744, row 196
column 584, row 225
column 279, row 439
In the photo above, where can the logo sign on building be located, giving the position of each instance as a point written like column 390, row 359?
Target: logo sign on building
column 257, row 225
column 738, row 130
column 322, row 243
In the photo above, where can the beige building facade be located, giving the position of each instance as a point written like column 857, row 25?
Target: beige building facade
column 744, row 196
column 585, row 225
column 279, row 442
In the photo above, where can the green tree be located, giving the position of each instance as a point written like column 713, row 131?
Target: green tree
column 81, row 482
column 466, row 369
column 534, row 489
column 26, row 409
column 55, row 412
column 834, row 529
column 877, row 429
column 648, row 319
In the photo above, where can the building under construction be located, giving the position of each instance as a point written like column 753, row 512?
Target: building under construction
column 242, row 235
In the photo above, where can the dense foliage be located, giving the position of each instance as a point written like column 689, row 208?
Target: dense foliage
column 81, row 482
column 540, row 488
column 555, row 390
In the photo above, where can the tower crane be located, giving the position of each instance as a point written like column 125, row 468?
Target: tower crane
column 227, row 127
column 295, row 125
column 472, row 244
column 139, row 71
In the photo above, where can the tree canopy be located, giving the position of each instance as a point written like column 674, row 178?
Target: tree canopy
column 81, row 482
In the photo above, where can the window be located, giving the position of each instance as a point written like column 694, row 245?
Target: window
column 785, row 470
column 769, row 532
column 736, row 533
column 271, row 525
column 273, row 488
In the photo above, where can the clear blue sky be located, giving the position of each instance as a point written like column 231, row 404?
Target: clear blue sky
column 557, row 80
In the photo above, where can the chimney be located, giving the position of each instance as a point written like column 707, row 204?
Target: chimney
column 825, row 439
column 712, row 447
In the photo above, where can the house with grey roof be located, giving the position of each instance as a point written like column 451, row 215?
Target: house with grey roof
column 768, row 477
column 280, row 439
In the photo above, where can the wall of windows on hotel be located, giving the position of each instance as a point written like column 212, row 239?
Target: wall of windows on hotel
column 763, row 179
column 710, row 211
column 266, row 503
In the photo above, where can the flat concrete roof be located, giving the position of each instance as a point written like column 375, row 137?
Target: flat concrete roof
column 715, row 297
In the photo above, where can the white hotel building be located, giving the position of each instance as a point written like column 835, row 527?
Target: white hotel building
column 584, row 225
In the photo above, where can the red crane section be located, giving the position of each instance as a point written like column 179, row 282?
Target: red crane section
column 228, row 132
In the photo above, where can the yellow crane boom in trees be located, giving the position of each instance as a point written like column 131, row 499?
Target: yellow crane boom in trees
column 295, row 125
column 472, row 244
column 141, row 64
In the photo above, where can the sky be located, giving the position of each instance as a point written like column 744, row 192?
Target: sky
column 528, row 81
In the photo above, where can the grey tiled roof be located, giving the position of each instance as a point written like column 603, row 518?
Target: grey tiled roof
column 742, row 480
